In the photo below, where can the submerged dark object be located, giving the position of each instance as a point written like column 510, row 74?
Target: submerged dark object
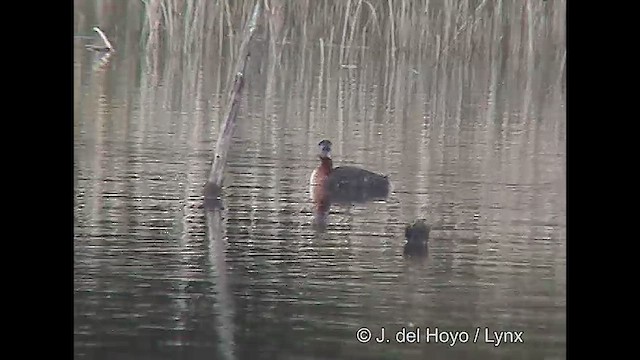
column 417, row 235
column 345, row 184
column 98, row 48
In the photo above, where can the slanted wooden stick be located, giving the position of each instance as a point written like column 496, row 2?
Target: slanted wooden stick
column 213, row 188
column 107, row 44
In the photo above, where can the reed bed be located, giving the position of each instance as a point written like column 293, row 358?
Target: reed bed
column 188, row 31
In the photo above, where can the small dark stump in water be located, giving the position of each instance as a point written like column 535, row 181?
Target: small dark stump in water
column 212, row 196
column 417, row 235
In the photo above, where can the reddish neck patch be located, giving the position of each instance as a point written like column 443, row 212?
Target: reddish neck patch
column 326, row 165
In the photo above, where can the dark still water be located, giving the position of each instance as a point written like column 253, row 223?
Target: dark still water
column 472, row 142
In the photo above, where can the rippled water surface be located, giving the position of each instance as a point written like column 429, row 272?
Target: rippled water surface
column 474, row 143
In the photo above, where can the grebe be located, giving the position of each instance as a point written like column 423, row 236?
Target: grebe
column 417, row 235
column 344, row 183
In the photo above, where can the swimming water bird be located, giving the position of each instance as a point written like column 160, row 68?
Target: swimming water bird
column 344, row 184
column 417, row 235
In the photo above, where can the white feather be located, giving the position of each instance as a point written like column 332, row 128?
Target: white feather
column 312, row 183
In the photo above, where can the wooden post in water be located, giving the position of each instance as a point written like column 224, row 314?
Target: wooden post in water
column 213, row 187
column 104, row 52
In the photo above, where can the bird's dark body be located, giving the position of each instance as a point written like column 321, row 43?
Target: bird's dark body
column 353, row 184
